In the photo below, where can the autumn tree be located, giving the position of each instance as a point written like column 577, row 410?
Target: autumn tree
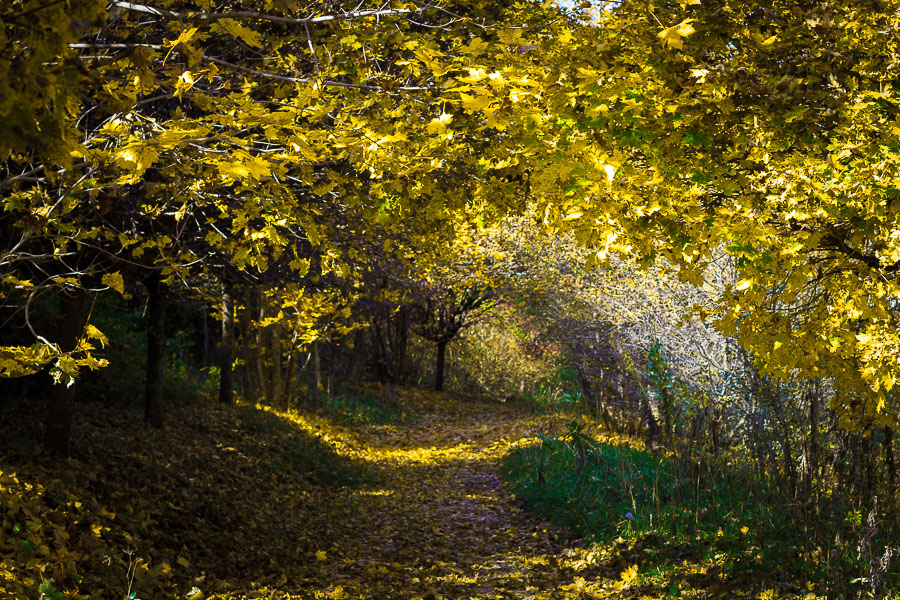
column 185, row 145
column 443, row 314
column 766, row 128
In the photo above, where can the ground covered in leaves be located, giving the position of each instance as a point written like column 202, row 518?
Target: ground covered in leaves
column 244, row 502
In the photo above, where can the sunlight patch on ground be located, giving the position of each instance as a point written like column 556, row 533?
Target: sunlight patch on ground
column 347, row 443
column 374, row 493
column 424, row 456
column 491, row 498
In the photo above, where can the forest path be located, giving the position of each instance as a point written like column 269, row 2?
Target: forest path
column 438, row 523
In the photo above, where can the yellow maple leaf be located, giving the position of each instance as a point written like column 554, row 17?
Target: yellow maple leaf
column 19, row 283
column 258, row 167
column 439, row 124
column 253, row 168
column 629, row 575
column 114, row 281
column 183, row 38
column 672, row 37
column 321, row 555
column 95, row 334
column 249, row 36
column 475, row 103
column 137, row 159
column 476, row 47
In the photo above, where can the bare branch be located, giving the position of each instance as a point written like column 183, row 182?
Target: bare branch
column 348, row 16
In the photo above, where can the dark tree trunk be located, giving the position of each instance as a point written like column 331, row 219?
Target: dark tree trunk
column 275, row 376
column 401, row 324
column 289, row 371
column 888, row 447
column 226, row 355
column 652, row 432
column 439, row 369
column 812, row 462
column 787, row 455
column 250, row 385
column 204, row 337
column 665, row 404
column 315, row 373
column 358, row 356
column 156, row 349
column 714, row 432
column 58, row 425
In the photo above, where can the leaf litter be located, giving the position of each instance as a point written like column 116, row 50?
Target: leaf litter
column 245, row 502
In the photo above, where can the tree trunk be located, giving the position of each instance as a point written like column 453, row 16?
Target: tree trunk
column 262, row 349
column 315, row 373
column 379, row 351
column 244, row 323
column 58, row 425
column 665, row 404
column 204, row 337
column 439, row 369
column 357, row 357
column 156, row 349
column 888, row 447
column 812, row 462
column 226, row 355
column 401, row 325
column 651, row 435
column 289, row 369
column 787, row 455
column 279, row 398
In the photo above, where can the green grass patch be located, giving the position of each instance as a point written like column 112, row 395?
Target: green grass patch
column 596, row 490
column 674, row 510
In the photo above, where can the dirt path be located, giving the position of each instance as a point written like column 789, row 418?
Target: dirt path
column 438, row 524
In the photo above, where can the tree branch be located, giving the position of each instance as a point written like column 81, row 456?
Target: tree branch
column 833, row 241
column 348, row 16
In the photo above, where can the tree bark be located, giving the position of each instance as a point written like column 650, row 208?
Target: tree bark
column 58, row 426
column 787, row 455
column 289, row 369
column 652, row 433
column 315, row 373
column 357, row 357
column 812, row 462
column 250, row 385
column 204, row 337
column 401, row 324
column 156, row 349
column 262, row 350
column 665, row 404
column 439, row 369
column 888, row 447
column 226, row 355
